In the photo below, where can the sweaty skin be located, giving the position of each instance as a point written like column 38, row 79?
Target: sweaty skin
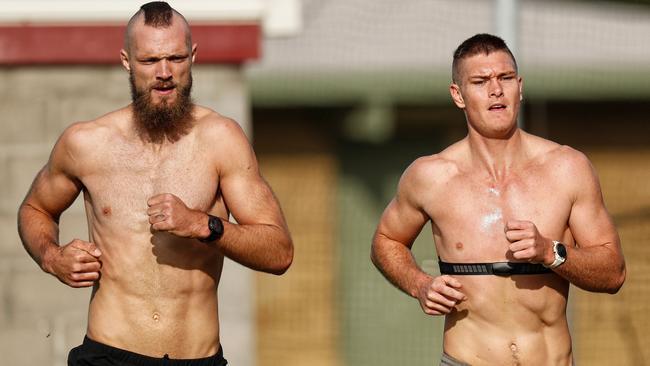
column 154, row 283
column 500, row 194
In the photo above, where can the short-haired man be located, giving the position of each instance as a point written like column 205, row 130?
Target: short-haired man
column 515, row 219
column 160, row 178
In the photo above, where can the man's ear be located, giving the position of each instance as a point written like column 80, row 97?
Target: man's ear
column 456, row 95
column 124, row 57
column 193, row 52
column 521, row 89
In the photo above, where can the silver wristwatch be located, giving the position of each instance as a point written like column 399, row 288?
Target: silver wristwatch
column 560, row 254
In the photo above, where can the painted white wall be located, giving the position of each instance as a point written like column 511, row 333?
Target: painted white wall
column 278, row 17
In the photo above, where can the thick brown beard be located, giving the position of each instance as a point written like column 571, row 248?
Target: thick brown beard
column 155, row 123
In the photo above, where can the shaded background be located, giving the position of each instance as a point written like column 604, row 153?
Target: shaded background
column 363, row 91
column 336, row 111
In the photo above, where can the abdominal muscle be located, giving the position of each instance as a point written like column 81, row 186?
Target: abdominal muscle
column 165, row 303
column 516, row 320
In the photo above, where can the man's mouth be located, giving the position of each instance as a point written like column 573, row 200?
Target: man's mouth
column 497, row 107
column 164, row 88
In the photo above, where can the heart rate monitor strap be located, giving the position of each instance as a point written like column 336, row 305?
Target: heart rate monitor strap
column 495, row 268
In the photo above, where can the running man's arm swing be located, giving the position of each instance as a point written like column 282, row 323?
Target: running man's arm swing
column 52, row 192
column 260, row 240
column 596, row 262
column 400, row 224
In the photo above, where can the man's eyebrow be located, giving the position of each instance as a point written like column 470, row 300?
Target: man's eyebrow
column 479, row 76
column 158, row 58
column 509, row 72
column 488, row 75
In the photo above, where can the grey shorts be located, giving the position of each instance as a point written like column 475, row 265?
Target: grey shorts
column 447, row 360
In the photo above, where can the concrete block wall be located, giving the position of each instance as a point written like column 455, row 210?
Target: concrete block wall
column 40, row 318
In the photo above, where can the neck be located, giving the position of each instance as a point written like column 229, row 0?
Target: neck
column 497, row 156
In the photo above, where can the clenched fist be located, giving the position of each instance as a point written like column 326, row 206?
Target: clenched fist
column 169, row 213
column 439, row 295
column 526, row 243
column 76, row 264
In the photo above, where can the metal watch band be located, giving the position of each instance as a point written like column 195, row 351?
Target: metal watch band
column 558, row 258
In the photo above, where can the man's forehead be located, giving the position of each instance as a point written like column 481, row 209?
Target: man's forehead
column 494, row 62
column 144, row 37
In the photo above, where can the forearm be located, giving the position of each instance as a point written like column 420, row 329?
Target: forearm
column 261, row 247
column 395, row 261
column 39, row 233
column 595, row 268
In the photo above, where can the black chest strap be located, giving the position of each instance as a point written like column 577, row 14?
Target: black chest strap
column 496, row 268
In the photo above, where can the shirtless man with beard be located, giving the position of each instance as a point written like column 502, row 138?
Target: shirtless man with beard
column 515, row 219
column 159, row 178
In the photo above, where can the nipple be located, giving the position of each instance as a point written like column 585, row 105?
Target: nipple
column 106, row 210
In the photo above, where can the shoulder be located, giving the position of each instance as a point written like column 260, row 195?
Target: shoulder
column 103, row 129
column 80, row 140
column 575, row 167
column 224, row 140
column 429, row 169
column 216, row 130
column 428, row 175
column 212, row 123
column 561, row 158
column 571, row 166
column 437, row 169
column 553, row 155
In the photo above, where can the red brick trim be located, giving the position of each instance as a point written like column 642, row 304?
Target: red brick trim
column 101, row 44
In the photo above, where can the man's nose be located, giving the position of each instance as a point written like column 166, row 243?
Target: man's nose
column 495, row 88
column 163, row 71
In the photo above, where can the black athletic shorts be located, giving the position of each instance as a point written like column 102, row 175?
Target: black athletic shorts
column 92, row 353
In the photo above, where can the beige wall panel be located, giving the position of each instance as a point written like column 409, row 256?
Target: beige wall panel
column 297, row 321
column 614, row 329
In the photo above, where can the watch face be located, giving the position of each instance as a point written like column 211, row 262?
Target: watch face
column 216, row 226
column 561, row 250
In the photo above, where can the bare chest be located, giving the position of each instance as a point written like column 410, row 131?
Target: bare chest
column 120, row 186
column 469, row 219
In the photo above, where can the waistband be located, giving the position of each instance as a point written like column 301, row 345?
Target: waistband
column 495, row 268
column 447, row 360
column 142, row 360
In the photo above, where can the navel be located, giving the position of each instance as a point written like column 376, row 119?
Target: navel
column 515, row 354
column 155, row 317
column 459, row 246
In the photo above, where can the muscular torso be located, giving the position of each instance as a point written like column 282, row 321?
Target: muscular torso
column 505, row 320
column 157, row 292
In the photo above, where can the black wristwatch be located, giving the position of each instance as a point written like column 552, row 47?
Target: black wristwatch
column 216, row 229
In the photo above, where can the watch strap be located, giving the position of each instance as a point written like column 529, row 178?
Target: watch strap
column 216, row 229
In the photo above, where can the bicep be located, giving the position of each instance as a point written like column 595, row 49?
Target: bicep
column 250, row 199
column 405, row 216
column 55, row 188
column 589, row 221
column 401, row 221
column 246, row 194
